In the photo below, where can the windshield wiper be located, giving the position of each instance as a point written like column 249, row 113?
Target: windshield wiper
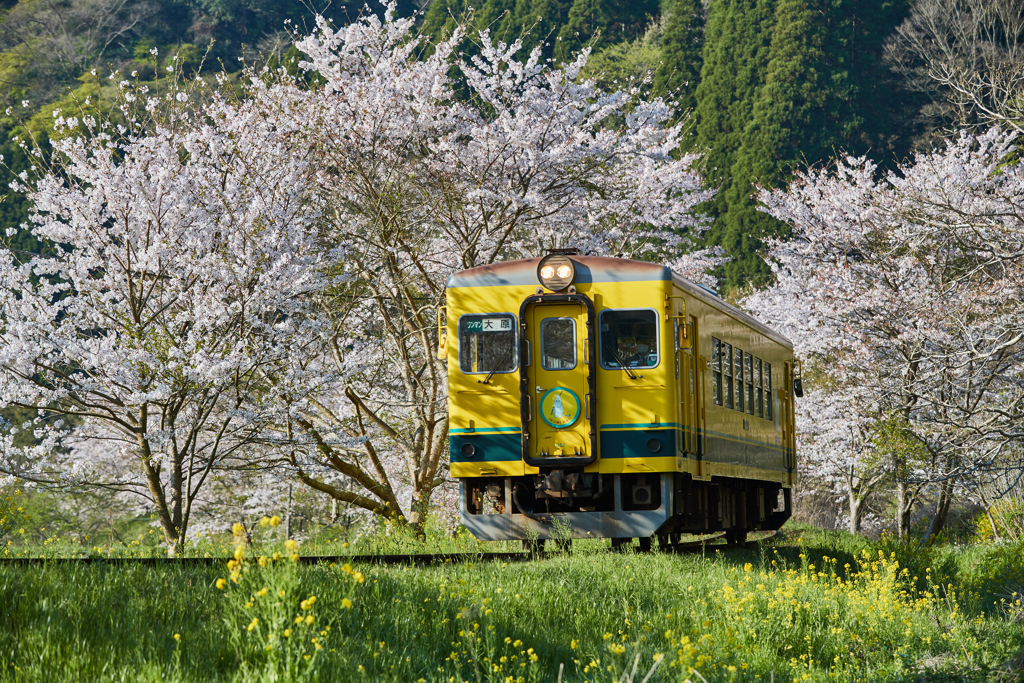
column 487, row 380
column 630, row 373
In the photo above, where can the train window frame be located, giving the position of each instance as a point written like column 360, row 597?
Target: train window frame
column 716, row 370
column 728, row 387
column 656, row 347
column 737, row 376
column 769, row 403
column 575, row 355
column 515, row 342
column 759, row 386
column 748, row 375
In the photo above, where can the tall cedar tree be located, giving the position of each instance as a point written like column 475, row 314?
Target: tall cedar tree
column 681, row 47
column 735, row 54
column 810, row 86
column 602, row 22
column 788, row 123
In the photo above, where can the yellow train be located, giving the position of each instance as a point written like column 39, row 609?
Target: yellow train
column 609, row 398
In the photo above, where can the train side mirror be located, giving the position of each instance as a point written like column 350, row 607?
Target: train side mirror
column 798, row 387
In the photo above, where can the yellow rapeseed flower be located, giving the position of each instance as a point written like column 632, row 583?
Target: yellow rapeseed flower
column 280, row 594
column 221, row 583
column 346, row 603
column 290, row 544
column 287, row 633
column 310, row 619
column 275, row 520
column 237, row 529
column 177, row 636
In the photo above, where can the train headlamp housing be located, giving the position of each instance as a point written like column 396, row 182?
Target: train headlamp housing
column 556, row 272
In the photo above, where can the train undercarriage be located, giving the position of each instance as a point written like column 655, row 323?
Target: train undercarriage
column 570, row 503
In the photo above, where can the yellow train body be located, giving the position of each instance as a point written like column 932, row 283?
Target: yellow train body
column 626, row 402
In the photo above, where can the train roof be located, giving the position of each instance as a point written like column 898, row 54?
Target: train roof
column 596, row 269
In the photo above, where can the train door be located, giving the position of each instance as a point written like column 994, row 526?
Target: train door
column 685, row 342
column 788, row 418
column 699, row 440
column 557, row 381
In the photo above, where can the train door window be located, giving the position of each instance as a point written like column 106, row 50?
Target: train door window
column 629, row 338
column 758, row 387
column 558, row 343
column 487, row 343
column 716, row 370
column 738, row 377
column 769, row 400
column 748, row 375
column 727, row 389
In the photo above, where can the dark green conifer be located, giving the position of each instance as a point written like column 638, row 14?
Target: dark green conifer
column 681, row 47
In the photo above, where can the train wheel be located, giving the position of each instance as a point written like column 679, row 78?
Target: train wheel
column 735, row 536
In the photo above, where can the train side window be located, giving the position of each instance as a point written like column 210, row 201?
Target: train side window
column 716, row 370
column 769, row 400
column 758, row 387
column 737, row 374
column 748, row 374
column 629, row 337
column 558, row 343
column 487, row 343
column 727, row 389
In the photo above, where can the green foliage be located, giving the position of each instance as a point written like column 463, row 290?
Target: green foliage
column 599, row 23
column 621, row 64
column 1008, row 516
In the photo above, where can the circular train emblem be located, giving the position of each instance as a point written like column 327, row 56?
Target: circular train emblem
column 559, row 407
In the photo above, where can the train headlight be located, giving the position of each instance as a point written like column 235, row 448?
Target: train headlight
column 556, row 272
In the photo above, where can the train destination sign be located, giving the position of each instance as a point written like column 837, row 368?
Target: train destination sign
column 489, row 325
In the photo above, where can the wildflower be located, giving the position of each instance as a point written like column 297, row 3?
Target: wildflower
column 310, row 619
column 287, row 633
column 290, row 544
column 275, row 520
column 346, row 603
column 252, row 624
column 237, row 529
column 177, row 636
column 221, row 583
column 280, row 594
column 308, row 602
column 573, row 644
column 263, row 591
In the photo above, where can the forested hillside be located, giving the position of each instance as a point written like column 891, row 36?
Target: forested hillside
column 768, row 85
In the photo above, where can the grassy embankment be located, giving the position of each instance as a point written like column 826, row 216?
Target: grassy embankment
column 810, row 606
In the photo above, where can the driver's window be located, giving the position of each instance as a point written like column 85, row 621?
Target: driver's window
column 629, row 338
column 487, row 343
column 558, row 343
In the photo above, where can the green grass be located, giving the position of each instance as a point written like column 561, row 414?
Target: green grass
column 783, row 612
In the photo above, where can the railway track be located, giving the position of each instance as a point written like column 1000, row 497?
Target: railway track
column 701, row 544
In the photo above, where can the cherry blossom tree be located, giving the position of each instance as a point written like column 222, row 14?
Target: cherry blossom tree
column 185, row 250
column 906, row 286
